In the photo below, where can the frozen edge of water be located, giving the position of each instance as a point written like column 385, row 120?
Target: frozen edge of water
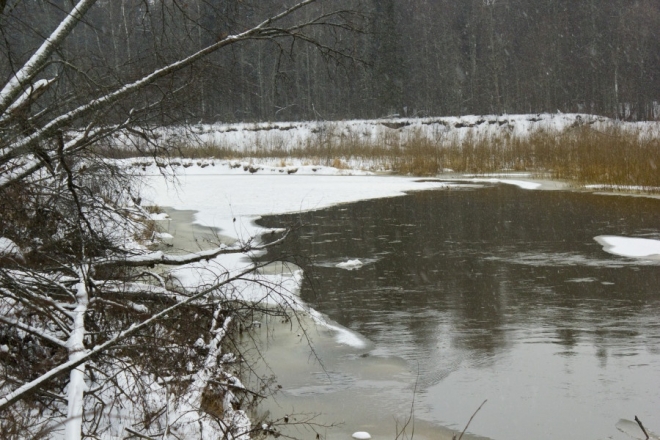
column 631, row 247
column 621, row 246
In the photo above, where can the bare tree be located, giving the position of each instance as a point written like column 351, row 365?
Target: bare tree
column 96, row 339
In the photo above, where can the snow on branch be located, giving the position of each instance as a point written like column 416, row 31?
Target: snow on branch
column 179, row 260
column 10, row 398
column 22, row 104
column 23, row 167
column 262, row 30
column 33, row 330
column 9, row 249
column 33, row 66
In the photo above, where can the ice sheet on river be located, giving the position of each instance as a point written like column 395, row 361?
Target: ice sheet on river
column 630, row 247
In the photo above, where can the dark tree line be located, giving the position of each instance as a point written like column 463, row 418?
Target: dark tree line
column 411, row 57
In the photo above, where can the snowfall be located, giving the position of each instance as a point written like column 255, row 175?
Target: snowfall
column 230, row 195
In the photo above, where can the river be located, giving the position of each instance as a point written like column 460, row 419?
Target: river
column 474, row 293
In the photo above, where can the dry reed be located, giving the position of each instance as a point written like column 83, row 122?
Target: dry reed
column 582, row 154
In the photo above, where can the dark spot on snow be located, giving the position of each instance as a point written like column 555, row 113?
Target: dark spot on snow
column 395, row 125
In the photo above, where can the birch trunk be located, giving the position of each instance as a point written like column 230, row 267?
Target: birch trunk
column 76, row 346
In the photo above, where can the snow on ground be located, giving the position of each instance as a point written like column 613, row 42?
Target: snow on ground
column 284, row 136
column 232, row 200
column 231, row 195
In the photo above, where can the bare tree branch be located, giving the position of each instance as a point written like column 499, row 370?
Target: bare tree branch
column 32, row 67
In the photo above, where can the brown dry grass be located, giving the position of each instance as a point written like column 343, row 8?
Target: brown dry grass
column 582, row 154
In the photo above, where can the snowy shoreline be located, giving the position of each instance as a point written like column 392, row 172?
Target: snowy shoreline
column 286, row 136
column 231, row 202
column 227, row 201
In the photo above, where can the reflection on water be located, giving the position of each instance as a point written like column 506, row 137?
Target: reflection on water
column 502, row 294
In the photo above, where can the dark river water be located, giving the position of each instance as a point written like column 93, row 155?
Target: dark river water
column 497, row 293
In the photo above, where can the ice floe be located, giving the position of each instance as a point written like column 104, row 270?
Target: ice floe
column 630, row 246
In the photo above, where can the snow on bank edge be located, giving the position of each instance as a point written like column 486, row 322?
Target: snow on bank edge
column 233, row 200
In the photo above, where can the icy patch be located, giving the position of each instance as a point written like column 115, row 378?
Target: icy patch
column 350, row 264
column 527, row 175
column 564, row 259
column 623, row 187
column 524, row 184
column 342, row 334
column 582, row 280
column 159, row 216
column 279, row 290
column 633, row 430
column 630, row 247
column 330, row 382
column 165, row 238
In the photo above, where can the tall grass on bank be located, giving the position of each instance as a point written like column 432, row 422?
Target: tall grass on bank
column 581, row 154
column 610, row 155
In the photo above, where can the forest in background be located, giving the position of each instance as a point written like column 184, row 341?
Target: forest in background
column 95, row 340
column 408, row 57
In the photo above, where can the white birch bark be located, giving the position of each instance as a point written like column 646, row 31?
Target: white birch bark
column 262, row 29
column 83, row 355
column 202, row 377
column 77, row 351
column 32, row 67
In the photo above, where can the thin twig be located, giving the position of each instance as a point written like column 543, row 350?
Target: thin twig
column 639, row 422
column 137, row 434
column 470, row 421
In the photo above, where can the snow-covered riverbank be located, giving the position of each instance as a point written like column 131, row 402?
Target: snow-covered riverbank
column 230, row 203
column 229, row 200
column 282, row 137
